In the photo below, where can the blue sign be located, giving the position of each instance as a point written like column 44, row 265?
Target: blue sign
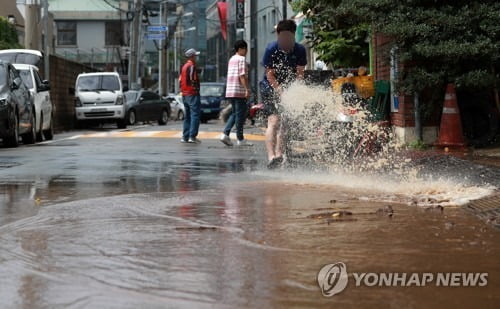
column 157, row 28
column 155, row 36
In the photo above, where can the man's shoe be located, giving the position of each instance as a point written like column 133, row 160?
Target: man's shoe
column 226, row 140
column 194, row 140
column 183, row 140
column 243, row 142
column 274, row 163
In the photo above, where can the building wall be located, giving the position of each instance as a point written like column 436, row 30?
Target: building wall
column 63, row 74
column 402, row 115
column 90, row 34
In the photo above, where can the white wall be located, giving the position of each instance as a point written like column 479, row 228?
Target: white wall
column 91, row 34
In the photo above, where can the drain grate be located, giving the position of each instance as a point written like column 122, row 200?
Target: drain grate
column 487, row 209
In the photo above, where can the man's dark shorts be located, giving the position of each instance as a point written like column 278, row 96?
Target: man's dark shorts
column 270, row 99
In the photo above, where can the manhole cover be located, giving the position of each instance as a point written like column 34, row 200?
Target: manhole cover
column 487, row 209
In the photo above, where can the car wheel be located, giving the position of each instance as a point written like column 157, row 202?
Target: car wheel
column 39, row 134
column 13, row 139
column 30, row 138
column 164, row 118
column 49, row 133
column 131, row 118
column 180, row 115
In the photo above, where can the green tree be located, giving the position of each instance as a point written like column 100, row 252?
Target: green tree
column 8, row 35
column 339, row 39
column 440, row 41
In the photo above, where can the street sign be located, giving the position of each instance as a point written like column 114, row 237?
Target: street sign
column 157, row 28
column 240, row 14
column 155, row 36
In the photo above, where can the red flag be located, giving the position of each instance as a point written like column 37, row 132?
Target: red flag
column 222, row 8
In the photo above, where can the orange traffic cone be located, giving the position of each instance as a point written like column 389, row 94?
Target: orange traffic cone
column 450, row 132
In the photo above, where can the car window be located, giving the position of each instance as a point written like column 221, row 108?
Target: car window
column 3, row 75
column 38, row 79
column 148, row 95
column 22, row 58
column 26, row 77
column 211, row 90
column 131, row 96
column 12, row 75
column 98, row 82
column 110, row 83
column 88, row 83
column 153, row 96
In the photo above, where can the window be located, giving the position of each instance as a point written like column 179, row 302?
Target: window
column 3, row 75
column 110, row 83
column 26, row 77
column 66, row 33
column 98, row 82
column 113, row 33
column 212, row 90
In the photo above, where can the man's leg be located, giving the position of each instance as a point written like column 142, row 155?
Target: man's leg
column 187, row 118
column 195, row 116
column 232, row 118
column 240, row 114
column 271, row 132
column 280, row 140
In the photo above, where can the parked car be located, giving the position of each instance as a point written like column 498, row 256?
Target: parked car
column 212, row 96
column 39, row 89
column 177, row 106
column 145, row 106
column 99, row 98
column 17, row 111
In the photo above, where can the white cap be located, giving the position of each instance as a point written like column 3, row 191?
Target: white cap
column 191, row 52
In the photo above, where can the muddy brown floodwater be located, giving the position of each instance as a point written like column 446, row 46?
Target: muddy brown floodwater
column 244, row 243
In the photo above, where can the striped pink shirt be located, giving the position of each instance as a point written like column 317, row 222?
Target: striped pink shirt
column 236, row 68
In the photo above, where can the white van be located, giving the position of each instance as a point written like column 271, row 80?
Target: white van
column 99, row 97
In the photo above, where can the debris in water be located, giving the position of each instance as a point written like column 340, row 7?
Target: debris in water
column 387, row 210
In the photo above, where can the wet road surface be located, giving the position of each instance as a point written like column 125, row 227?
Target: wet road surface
column 147, row 222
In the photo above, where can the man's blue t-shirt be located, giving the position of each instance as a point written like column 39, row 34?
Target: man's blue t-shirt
column 284, row 64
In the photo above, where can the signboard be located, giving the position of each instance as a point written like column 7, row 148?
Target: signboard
column 157, row 28
column 155, row 36
column 240, row 14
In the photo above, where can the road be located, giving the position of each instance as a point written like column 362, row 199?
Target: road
column 106, row 218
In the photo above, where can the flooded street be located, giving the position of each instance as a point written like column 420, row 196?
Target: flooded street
column 150, row 223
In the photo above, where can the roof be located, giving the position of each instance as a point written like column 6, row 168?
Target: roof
column 25, row 51
column 81, row 5
column 98, row 73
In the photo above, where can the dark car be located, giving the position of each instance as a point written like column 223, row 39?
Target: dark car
column 17, row 111
column 143, row 106
column 212, row 96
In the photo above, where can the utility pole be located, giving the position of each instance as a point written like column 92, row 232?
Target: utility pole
column 32, row 30
column 47, row 39
column 253, row 43
column 162, row 63
column 284, row 10
column 134, row 44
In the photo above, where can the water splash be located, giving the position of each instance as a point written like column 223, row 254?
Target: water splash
column 340, row 130
column 343, row 146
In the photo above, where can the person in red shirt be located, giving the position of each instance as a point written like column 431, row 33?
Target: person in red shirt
column 190, row 88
